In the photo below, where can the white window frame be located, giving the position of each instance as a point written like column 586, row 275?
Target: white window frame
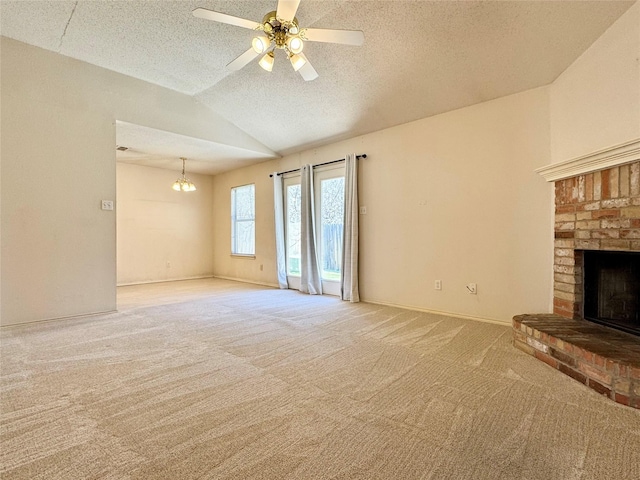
column 235, row 220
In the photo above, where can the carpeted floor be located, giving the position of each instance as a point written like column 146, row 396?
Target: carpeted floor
column 222, row 380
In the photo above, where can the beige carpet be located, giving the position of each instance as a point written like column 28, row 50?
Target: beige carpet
column 216, row 379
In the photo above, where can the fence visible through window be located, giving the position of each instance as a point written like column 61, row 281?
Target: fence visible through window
column 294, row 200
column 332, row 219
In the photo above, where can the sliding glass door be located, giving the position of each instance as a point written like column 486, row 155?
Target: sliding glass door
column 292, row 225
column 329, row 215
column 329, row 204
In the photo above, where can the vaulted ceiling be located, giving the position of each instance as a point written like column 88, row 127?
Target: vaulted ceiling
column 419, row 58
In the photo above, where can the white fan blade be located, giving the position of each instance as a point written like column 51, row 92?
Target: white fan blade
column 242, row 60
column 287, row 9
column 307, row 71
column 346, row 37
column 224, row 18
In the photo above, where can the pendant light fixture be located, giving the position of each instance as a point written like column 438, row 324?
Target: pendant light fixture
column 183, row 184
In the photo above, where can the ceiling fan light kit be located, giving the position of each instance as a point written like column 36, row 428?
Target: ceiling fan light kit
column 260, row 44
column 266, row 62
column 295, row 44
column 297, row 62
column 281, row 30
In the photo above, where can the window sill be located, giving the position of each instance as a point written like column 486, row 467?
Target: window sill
column 242, row 255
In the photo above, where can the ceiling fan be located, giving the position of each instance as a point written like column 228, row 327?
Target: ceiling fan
column 280, row 30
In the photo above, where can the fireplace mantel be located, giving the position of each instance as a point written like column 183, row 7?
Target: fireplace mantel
column 614, row 156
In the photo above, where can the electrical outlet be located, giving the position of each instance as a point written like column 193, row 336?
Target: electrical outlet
column 107, row 204
column 363, row 210
column 472, row 288
column 261, row 267
column 168, row 264
column 438, row 285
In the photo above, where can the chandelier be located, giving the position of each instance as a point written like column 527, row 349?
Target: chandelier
column 183, row 184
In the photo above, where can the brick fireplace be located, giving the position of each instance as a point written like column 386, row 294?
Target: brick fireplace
column 596, row 209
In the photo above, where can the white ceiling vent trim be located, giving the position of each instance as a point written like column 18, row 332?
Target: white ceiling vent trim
column 609, row 157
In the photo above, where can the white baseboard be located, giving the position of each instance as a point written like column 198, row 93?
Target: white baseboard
column 57, row 319
column 387, row 304
column 147, row 282
column 437, row 312
column 242, row 280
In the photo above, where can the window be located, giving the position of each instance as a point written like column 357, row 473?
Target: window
column 243, row 221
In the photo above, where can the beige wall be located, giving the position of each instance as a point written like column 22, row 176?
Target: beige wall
column 244, row 268
column 595, row 103
column 58, row 162
column 58, row 247
column 451, row 197
column 162, row 234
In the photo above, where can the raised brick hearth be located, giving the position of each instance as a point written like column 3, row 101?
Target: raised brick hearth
column 604, row 359
column 598, row 210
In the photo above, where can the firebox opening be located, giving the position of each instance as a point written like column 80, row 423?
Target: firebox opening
column 612, row 289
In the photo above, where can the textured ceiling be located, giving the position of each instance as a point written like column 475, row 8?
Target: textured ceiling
column 161, row 149
column 420, row 58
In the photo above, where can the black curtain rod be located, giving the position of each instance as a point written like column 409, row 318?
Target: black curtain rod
column 364, row 155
